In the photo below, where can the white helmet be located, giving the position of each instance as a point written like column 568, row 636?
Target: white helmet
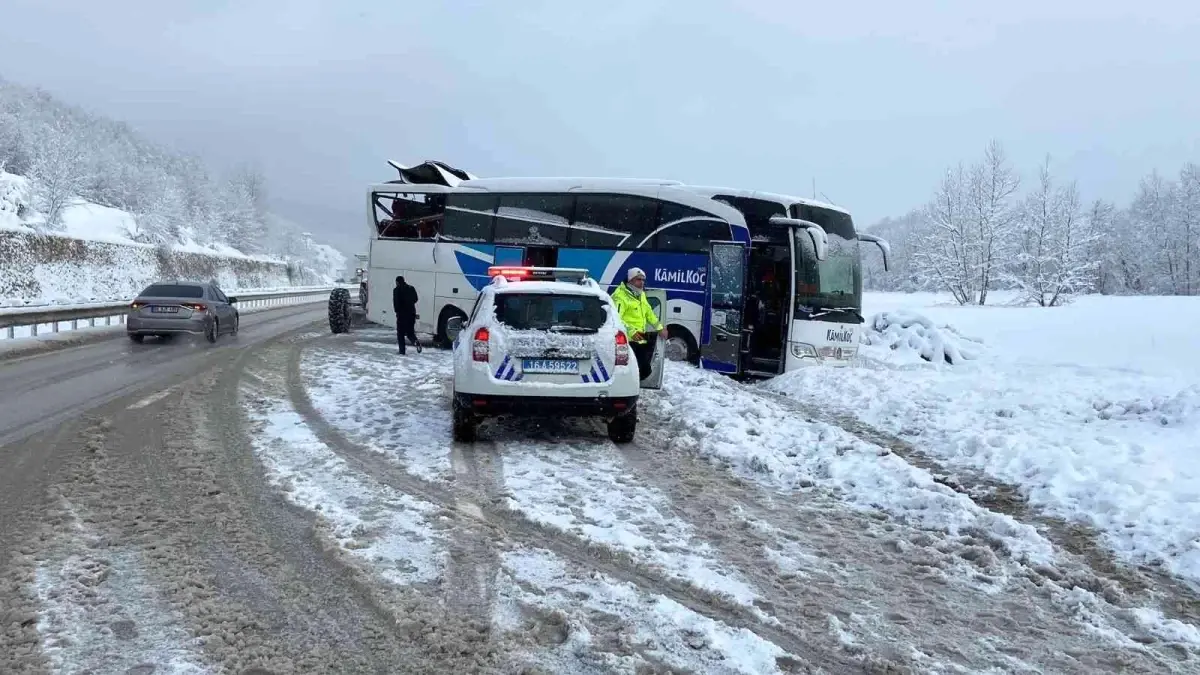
column 635, row 272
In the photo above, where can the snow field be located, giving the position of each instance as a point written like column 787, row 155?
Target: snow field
column 1094, row 420
column 770, row 442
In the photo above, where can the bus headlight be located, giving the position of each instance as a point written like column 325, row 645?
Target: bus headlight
column 803, row 351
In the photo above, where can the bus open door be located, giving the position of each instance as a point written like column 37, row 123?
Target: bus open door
column 658, row 303
column 726, row 281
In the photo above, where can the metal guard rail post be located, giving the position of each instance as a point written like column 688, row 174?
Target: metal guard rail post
column 33, row 317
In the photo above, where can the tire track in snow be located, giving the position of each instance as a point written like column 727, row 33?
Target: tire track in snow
column 241, row 571
column 872, row 584
column 1082, row 544
column 472, row 563
column 99, row 611
column 507, row 527
column 794, row 467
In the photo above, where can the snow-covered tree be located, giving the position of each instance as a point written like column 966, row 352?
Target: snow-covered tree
column 57, row 173
column 964, row 243
column 1053, row 243
column 1150, row 246
column 947, row 249
column 69, row 153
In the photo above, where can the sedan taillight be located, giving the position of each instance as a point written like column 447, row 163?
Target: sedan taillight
column 195, row 306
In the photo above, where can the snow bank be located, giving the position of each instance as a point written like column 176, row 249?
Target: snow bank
column 912, row 336
column 56, row 269
column 1093, row 419
column 98, row 254
column 15, row 196
column 768, row 440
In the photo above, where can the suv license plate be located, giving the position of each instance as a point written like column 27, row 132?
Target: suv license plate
column 564, row 366
column 159, row 309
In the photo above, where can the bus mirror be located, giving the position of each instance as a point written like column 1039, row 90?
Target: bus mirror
column 454, row 326
column 816, row 233
column 884, row 248
column 819, row 238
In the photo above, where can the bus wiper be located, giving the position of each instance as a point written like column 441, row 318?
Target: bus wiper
column 833, row 310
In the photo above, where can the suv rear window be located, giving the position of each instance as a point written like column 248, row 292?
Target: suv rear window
column 546, row 311
column 173, row 291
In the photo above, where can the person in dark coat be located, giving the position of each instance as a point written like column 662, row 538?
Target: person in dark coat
column 404, row 303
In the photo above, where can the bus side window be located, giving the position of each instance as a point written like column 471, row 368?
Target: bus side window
column 412, row 216
column 469, row 217
column 692, row 235
column 600, row 219
column 534, row 219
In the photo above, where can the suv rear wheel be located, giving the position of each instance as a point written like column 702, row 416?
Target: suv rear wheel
column 621, row 429
column 465, row 424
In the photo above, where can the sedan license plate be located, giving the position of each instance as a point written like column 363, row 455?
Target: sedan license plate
column 563, row 366
column 158, row 309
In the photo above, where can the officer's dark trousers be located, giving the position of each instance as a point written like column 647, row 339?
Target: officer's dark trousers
column 644, row 353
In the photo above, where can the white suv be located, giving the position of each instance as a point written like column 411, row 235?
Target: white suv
column 543, row 341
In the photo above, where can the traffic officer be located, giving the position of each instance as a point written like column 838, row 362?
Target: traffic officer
column 639, row 318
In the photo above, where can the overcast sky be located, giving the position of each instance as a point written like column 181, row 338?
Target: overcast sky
column 873, row 100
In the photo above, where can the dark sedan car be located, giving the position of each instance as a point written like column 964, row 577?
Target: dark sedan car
column 182, row 307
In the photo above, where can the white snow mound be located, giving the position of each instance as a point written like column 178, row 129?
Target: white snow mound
column 1181, row 409
column 911, row 336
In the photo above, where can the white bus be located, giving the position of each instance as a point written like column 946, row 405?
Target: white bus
column 748, row 286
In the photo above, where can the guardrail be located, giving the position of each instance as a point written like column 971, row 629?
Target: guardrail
column 52, row 319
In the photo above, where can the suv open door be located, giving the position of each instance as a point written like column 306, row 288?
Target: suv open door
column 658, row 302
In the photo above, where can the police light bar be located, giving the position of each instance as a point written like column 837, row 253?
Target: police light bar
column 538, row 273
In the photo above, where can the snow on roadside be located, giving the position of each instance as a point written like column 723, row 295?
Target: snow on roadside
column 395, row 406
column 1110, row 445
column 914, row 338
column 651, row 625
column 101, row 614
column 767, row 441
column 384, row 528
column 586, row 490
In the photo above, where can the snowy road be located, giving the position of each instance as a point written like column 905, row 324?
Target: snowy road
column 299, row 507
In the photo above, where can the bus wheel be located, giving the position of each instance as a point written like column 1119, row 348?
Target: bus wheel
column 339, row 310
column 681, row 346
column 441, row 338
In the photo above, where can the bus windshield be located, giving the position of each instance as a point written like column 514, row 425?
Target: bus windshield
column 833, row 283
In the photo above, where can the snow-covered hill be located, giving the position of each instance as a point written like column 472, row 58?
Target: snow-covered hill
column 95, row 254
column 67, row 173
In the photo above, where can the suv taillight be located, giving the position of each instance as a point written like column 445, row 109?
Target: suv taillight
column 622, row 349
column 479, row 347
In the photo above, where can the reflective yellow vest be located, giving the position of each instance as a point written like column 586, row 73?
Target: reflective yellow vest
column 635, row 312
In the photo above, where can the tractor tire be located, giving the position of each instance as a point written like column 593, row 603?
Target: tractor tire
column 339, row 311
